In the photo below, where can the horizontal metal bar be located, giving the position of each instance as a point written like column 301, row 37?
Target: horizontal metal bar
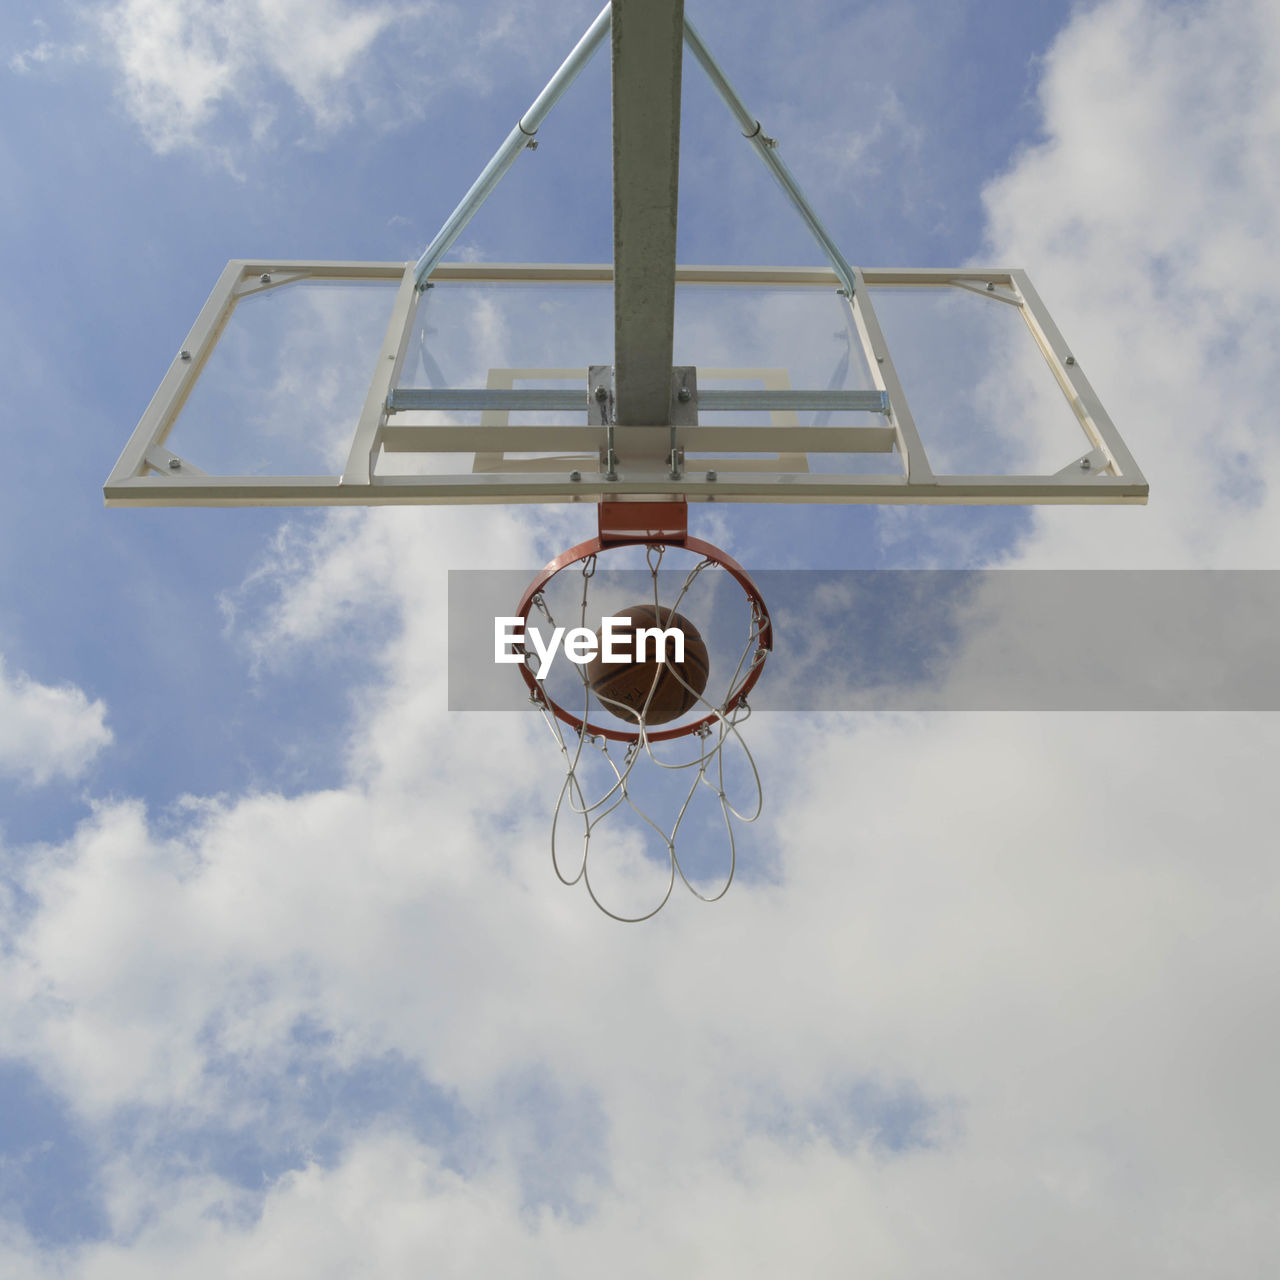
column 397, row 438
column 602, row 273
column 403, row 438
column 507, row 487
column 935, row 277
column 748, row 400
column 320, row 268
column 545, row 400
column 403, row 399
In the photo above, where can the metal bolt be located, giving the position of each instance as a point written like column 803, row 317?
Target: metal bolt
column 711, row 475
column 684, row 395
column 532, row 144
column 602, row 394
column 265, row 277
column 174, row 464
column 879, row 359
column 185, row 354
column 1085, row 464
column 1070, row 360
column 990, row 287
column 575, row 475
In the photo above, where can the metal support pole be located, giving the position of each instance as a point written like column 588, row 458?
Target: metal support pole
column 516, row 142
column 648, row 53
column 767, row 149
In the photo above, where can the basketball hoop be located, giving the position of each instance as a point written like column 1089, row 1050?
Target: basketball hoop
column 712, row 720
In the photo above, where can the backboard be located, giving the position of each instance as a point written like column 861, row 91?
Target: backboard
column 325, row 383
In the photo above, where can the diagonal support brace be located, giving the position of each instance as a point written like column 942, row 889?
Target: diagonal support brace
column 767, row 150
column 517, row 140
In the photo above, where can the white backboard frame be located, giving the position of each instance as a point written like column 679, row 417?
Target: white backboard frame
column 149, row 474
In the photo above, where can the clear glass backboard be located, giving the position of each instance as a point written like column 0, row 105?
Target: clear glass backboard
column 322, row 383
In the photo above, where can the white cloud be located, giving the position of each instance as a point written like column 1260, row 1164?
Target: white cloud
column 47, row 731
column 1083, row 1002
column 218, row 76
column 45, row 53
column 184, row 63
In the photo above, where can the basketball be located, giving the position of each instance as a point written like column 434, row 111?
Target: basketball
column 627, row 684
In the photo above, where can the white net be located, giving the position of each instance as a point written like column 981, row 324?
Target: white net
column 631, row 792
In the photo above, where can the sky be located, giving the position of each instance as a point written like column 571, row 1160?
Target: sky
column 287, row 983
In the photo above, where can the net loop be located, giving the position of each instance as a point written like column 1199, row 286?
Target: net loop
column 606, row 805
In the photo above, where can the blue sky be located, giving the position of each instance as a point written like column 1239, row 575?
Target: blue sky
column 286, row 981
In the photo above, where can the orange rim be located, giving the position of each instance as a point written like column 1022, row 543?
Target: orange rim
column 708, row 552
